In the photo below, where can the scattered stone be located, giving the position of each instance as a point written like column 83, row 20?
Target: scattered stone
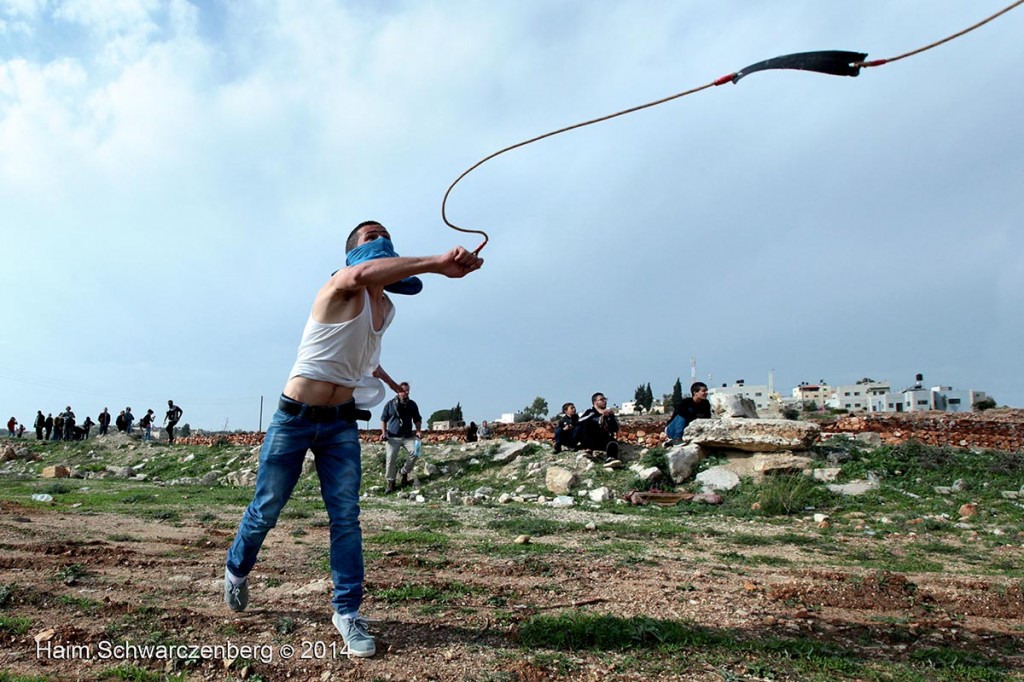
column 504, row 498
column 560, row 481
column 562, row 502
column 767, row 464
column 708, row 498
column 613, row 464
column 958, row 485
column 969, row 509
column 853, row 488
column 241, row 478
column 818, row 518
column 869, row 438
column 735, row 406
column 718, row 478
column 58, row 471
column 682, row 459
column 591, row 525
column 649, row 474
column 522, row 540
column 601, row 494
column 45, row 635
column 509, row 452
column 826, row 475
column 308, row 463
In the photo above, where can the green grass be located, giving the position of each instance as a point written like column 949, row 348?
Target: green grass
column 405, row 538
column 15, row 625
column 658, row 642
column 533, row 526
column 443, row 593
column 72, row 573
column 80, row 603
column 7, row 591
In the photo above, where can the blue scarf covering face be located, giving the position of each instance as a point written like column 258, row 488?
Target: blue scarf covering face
column 381, row 247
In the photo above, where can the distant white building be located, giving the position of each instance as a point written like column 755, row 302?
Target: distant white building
column 857, row 397
column 507, row 418
column 761, row 395
column 917, row 398
column 819, row 394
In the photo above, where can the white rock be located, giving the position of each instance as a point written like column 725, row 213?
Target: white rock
column 853, row 488
column 601, row 494
column 718, row 478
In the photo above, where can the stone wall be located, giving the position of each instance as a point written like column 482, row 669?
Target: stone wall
column 994, row 429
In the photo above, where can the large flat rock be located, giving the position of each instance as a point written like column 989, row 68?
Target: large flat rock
column 752, row 435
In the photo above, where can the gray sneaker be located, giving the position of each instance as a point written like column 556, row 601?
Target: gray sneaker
column 358, row 641
column 236, row 596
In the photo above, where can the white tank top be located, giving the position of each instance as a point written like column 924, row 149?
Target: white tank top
column 345, row 354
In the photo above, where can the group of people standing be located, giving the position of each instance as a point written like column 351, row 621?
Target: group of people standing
column 65, row 427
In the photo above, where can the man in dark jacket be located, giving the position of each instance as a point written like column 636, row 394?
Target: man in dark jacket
column 39, row 423
column 171, row 420
column 697, row 406
column 397, row 420
column 565, row 428
column 104, row 421
column 598, row 427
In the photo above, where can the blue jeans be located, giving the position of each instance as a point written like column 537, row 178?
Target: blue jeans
column 336, row 448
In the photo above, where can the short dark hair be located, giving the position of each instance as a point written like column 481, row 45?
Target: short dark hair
column 593, row 398
column 696, row 386
column 567, row 406
column 404, row 384
column 350, row 243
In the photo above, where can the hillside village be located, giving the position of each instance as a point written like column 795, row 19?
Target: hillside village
column 865, row 395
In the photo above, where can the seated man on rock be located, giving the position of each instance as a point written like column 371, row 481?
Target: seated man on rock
column 597, row 428
column 697, row 406
column 565, row 428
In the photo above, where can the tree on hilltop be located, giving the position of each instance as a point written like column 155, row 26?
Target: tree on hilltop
column 538, row 409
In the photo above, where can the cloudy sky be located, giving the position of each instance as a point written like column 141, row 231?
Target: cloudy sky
column 177, row 179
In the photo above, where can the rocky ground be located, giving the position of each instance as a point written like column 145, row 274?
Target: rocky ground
column 895, row 585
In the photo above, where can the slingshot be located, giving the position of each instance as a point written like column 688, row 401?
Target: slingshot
column 830, row 62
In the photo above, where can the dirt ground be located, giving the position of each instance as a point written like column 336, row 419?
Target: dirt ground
column 129, row 579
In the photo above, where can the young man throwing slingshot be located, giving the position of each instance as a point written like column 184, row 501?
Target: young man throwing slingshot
column 335, row 379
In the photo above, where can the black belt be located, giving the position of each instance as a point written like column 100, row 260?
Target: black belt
column 323, row 413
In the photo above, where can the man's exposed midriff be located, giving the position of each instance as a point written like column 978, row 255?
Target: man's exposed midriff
column 315, row 392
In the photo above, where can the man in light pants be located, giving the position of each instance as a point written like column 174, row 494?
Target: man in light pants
column 396, row 429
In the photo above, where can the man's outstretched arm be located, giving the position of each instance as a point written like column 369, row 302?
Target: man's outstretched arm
column 383, row 271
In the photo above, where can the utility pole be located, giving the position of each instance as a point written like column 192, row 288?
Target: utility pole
column 260, row 430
